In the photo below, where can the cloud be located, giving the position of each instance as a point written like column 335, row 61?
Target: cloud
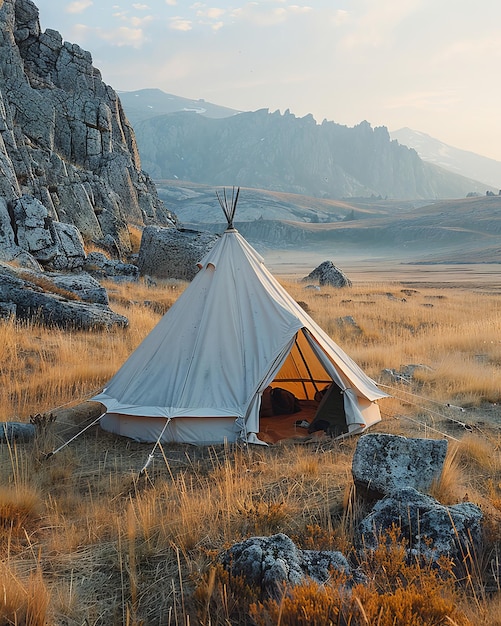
column 179, row 23
column 213, row 13
column 116, row 37
column 139, row 22
column 140, row 7
column 171, row 3
column 78, row 6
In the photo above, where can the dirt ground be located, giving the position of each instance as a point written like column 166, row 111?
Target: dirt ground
column 484, row 276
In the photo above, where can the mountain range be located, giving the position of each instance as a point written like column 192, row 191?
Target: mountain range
column 186, row 139
column 200, row 143
column 192, row 148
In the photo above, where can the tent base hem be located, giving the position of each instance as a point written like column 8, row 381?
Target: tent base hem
column 195, row 430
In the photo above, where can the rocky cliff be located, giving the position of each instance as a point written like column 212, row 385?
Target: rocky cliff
column 65, row 140
column 288, row 154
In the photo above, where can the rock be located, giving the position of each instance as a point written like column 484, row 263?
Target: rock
column 172, row 252
column 16, row 431
column 100, row 266
column 33, row 300
column 431, row 529
column 65, row 141
column 81, row 284
column 270, row 562
column 71, row 254
column 384, row 463
column 30, row 219
column 328, row 274
column 348, row 321
column 7, row 310
column 27, row 228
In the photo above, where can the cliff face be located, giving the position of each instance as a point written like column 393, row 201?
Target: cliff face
column 64, row 137
column 289, row 154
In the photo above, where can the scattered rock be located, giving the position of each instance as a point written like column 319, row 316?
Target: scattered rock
column 81, row 284
column 70, row 247
column 431, row 529
column 269, row 563
column 30, row 225
column 328, row 274
column 406, row 374
column 409, row 292
column 16, row 432
column 348, row 321
column 384, row 463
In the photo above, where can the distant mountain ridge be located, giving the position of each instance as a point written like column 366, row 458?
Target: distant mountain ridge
column 144, row 104
column 284, row 153
column 455, row 160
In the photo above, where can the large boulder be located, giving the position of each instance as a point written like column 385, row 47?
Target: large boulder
column 172, row 252
column 384, row 463
column 430, row 529
column 327, row 274
column 269, row 563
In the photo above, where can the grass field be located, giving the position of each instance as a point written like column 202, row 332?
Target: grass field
column 86, row 540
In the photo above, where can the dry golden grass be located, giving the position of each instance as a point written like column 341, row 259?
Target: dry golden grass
column 86, row 540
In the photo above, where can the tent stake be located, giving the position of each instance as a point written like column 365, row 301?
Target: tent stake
column 47, row 456
column 157, row 443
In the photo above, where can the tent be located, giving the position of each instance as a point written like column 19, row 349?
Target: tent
column 199, row 376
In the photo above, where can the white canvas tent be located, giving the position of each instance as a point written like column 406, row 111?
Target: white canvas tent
column 198, row 377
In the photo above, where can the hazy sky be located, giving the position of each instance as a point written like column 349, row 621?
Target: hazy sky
column 431, row 65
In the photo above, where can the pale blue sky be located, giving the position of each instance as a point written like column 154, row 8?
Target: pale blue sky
column 431, row 65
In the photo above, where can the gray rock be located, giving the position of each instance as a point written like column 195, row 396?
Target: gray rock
column 431, row 529
column 384, row 463
column 8, row 246
column 34, row 301
column 7, row 310
column 328, row 274
column 100, row 266
column 269, row 563
column 81, row 284
column 172, row 252
column 31, row 227
column 16, row 432
column 71, row 254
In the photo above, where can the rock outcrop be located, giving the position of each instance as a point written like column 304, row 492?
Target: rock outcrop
column 66, row 142
column 30, row 295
